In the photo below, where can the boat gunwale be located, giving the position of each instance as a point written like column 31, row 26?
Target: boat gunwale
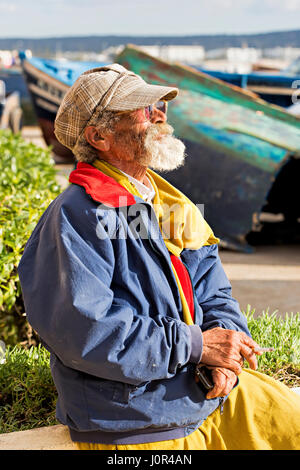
column 248, row 98
column 33, row 68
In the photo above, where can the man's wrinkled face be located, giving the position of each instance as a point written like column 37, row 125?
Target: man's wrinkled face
column 149, row 142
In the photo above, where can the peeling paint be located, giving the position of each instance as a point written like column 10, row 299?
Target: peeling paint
column 236, row 143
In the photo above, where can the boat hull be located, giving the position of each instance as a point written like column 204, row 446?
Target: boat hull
column 47, row 81
column 279, row 89
column 235, row 144
column 46, row 94
column 229, row 200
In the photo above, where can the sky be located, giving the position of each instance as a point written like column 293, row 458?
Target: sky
column 52, row 18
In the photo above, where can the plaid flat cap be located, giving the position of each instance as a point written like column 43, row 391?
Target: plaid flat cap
column 111, row 88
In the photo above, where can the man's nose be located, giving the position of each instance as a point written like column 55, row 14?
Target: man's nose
column 158, row 116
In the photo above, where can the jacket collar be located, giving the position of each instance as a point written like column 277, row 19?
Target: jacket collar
column 100, row 187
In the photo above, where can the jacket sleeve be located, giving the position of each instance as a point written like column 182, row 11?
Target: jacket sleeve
column 213, row 290
column 66, row 274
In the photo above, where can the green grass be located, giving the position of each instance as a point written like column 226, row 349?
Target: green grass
column 27, row 392
column 282, row 333
column 28, row 395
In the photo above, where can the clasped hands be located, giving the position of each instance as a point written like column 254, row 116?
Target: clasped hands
column 224, row 352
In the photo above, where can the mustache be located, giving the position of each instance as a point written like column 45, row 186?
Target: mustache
column 159, row 129
column 153, row 131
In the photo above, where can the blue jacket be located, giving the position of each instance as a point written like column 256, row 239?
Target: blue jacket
column 109, row 311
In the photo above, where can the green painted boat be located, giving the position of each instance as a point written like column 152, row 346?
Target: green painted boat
column 243, row 154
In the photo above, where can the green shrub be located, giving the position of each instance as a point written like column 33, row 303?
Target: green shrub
column 27, row 186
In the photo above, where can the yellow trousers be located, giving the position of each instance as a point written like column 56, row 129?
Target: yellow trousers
column 259, row 414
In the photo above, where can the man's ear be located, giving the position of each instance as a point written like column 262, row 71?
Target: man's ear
column 95, row 139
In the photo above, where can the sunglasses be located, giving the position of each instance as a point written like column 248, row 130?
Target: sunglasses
column 159, row 105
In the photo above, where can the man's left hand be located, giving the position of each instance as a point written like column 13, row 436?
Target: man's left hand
column 224, row 381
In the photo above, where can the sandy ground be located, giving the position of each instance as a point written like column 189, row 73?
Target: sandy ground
column 267, row 278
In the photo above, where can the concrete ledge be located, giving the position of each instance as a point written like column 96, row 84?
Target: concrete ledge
column 46, row 438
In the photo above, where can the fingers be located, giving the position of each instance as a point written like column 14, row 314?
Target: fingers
column 249, row 342
column 228, row 348
column 219, row 386
column 224, row 381
column 249, row 350
column 235, row 366
column 221, row 348
column 249, row 356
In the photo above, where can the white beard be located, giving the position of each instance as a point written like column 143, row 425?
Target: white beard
column 163, row 151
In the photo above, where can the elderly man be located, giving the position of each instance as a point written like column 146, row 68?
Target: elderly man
column 122, row 280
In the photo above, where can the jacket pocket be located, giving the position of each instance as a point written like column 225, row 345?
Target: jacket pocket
column 107, row 390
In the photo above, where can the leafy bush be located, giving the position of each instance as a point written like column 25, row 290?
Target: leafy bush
column 27, row 186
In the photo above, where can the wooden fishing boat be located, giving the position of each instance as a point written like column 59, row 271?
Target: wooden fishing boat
column 47, row 81
column 281, row 88
column 236, row 143
column 242, row 153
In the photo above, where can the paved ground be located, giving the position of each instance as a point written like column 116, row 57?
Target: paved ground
column 270, row 277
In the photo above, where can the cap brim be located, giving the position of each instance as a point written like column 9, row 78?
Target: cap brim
column 143, row 96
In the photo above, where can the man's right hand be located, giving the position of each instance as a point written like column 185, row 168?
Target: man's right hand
column 228, row 348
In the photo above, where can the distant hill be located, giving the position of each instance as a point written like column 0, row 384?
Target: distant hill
column 48, row 46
